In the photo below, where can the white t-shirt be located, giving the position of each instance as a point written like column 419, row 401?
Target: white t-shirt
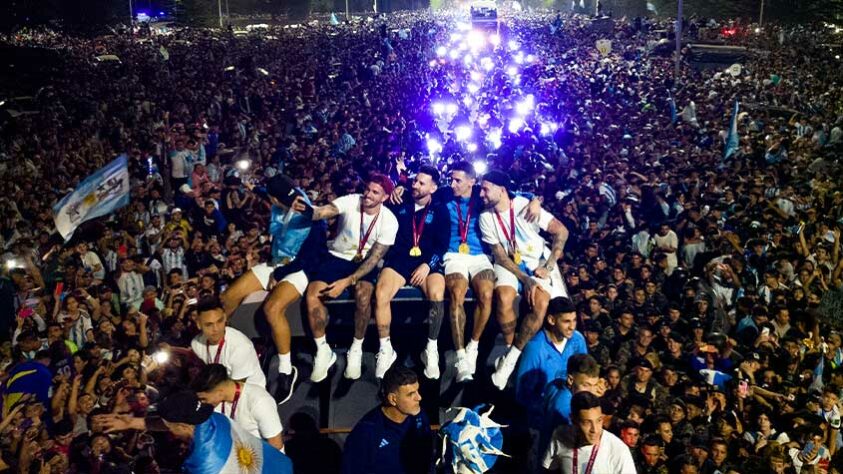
column 613, row 456
column 91, row 261
column 344, row 246
column 238, row 355
column 532, row 246
column 256, row 412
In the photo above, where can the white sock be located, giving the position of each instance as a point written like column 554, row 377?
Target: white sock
column 321, row 342
column 386, row 345
column 513, row 355
column 432, row 343
column 460, row 353
column 472, row 346
column 356, row 344
column 285, row 366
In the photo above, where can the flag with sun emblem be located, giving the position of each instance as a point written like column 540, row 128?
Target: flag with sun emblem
column 99, row 194
column 221, row 446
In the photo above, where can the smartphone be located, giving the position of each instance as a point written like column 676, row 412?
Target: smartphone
column 765, row 332
column 743, row 388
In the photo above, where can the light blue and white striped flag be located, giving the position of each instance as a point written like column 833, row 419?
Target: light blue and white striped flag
column 99, row 194
column 672, row 104
column 732, row 140
column 223, row 447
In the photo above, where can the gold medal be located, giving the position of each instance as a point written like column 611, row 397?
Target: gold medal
column 415, row 251
column 516, row 257
column 357, row 258
column 464, row 248
column 285, row 261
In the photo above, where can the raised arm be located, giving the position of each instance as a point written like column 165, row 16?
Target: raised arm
column 319, row 212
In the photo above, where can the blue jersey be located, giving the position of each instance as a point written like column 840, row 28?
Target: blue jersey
column 378, row 445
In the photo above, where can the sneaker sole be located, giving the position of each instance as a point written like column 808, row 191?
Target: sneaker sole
column 295, row 375
column 327, row 369
column 436, row 375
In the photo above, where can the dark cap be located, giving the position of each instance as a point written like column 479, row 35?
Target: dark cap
column 184, row 407
column 281, row 187
column 699, row 441
column 644, row 363
column 677, row 336
column 753, row 356
column 499, row 178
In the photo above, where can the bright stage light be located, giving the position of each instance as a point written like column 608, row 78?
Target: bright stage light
column 471, row 147
column 463, row 26
column 475, row 39
column 438, row 108
column 513, row 45
column 441, row 51
column 494, row 39
column 480, row 167
column 519, row 58
column 483, row 119
column 451, row 108
column 515, row 124
column 548, row 128
column 467, row 100
column 463, row 133
column 433, row 146
column 433, row 63
column 473, row 88
column 454, row 54
column 512, row 71
column 487, row 64
column 522, row 108
column 468, row 59
column 494, row 139
column 476, row 76
column 530, row 58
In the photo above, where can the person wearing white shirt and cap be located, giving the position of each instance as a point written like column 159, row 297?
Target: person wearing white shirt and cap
column 585, row 447
column 219, row 344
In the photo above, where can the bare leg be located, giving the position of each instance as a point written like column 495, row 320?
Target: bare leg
column 457, row 287
column 242, row 287
column 317, row 313
column 389, row 282
column 363, row 307
column 532, row 323
column 434, row 290
column 484, row 285
column 505, row 298
column 282, row 296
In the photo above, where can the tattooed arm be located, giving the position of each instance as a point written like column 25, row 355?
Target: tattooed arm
column 560, row 237
column 375, row 255
column 319, row 212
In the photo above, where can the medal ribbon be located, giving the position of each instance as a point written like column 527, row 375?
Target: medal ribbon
column 510, row 236
column 361, row 244
column 218, row 354
column 234, row 403
column 418, row 228
column 590, row 466
column 463, row 226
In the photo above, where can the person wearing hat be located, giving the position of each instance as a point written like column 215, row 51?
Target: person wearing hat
column 416, row 258
column 648, row 456
column 394, row 437
column 640, row 382
column 522, row 261
column 297, row 247
column 366, row 230
column 177, row 221
column 251, row 406
column 584, row 446
column 217, row 444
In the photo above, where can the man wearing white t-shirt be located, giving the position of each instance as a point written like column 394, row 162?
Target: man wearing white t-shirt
column 584, row 447
column 219, row 344
column 522, row 260
column 249, row 405
column 366, row 229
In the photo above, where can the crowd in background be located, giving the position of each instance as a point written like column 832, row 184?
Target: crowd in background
column 686, row 269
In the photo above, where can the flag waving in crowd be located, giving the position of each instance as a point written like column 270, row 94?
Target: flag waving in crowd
column 99, row 194
column 732, row 140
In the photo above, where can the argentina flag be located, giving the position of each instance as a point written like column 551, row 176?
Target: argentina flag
column 99, row 194
column 289, row 230
column 732, row 140
column 223, row 447
column 673, row 115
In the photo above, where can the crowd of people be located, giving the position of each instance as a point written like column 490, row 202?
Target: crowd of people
column 679, row 304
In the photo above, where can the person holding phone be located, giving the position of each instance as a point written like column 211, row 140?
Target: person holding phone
column 297, row 246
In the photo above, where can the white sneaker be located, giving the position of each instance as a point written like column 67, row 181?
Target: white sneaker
column 385, row 359
column 355, row 361
column 464, row 369
column 325, row 358
column 471, row 359
column 430, row 359
column 502, row 373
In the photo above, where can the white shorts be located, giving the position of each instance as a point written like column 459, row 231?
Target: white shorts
column 263, row 272
column 554, row 285
column 466, row 265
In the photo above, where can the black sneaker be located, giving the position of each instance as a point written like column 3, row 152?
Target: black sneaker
column 285, row 385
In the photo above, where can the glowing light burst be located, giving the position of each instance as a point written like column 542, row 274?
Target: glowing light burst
column 467, row 100
column 476, row 76
column 463, row 132
column 471, row 147
column 475, row 40
column 515, row 124
column 451, row 108
column 495, row 40
column 454, row 54
column 523, row 108
column 487, row 64
column 433, row 63
column 438, row 108
column 473, row 88
column 433, row 146
column 456, row 37
column 468, row 59
column 494, row 138
column 441, row 51
column 513, row 45
column 480, row 167
column 548, row 128
column 512, row 70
